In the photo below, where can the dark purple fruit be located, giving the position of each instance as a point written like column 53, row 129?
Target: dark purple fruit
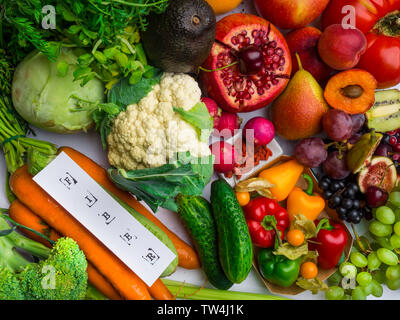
column 310, row 152
column 251, row 60
column 358, row 121
column 337, row 125
column 384, row 150
column 376, row 196
column 335, row 166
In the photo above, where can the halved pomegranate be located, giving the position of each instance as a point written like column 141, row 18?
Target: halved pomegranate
column 262, row 63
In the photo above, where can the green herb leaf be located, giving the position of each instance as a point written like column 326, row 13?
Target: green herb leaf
column 125, row 94
column 199, row 118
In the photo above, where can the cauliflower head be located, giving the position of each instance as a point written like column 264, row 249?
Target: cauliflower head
column 150, row 133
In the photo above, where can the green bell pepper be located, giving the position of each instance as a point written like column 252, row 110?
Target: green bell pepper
column 278, row 269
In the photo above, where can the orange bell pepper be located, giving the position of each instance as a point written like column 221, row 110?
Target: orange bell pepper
column 305, row 202
column 284, row 177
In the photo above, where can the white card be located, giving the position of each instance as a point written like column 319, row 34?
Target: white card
column 105, row 218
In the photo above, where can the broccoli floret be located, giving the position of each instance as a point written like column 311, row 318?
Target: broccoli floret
column 10, row 287
column 59, row 275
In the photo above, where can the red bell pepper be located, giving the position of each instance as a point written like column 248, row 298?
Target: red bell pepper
column 264, row 217
column 330, row 243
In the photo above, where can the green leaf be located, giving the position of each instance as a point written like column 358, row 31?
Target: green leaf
column 135, row 77
column 159, row 186
column 74, row 29
column 62, row 69
column 124, row 94
column 199, row 118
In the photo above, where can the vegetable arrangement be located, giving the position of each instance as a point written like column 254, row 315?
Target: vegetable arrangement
column 162, row 82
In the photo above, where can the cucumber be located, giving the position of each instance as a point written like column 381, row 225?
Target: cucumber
column 155, row 230
column 196, row 214
column 234, row 241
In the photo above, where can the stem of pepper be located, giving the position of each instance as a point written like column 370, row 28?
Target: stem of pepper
column 310, row 183
column 269, row 222
column 324, row 224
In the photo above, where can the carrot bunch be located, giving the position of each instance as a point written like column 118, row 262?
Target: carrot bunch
column 34, row 208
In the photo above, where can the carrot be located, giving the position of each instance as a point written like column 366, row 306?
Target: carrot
column 159, row 291
column 187, row 256
column 23, row 215
column 126, row 282
column 101, row 283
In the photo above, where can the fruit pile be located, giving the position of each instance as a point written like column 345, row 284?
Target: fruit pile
column 296, row 246
column 374, row 260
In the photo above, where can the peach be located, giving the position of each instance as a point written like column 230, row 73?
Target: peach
column 341, row 48
column 304, row 42
column 290, row 14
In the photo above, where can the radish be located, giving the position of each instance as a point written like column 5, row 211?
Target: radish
column 213, row 109
column 228, row 121
column 225, row 156
column 264, row 130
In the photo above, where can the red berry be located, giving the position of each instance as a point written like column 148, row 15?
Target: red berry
column 396, row 147
column 392, row 140
column 396, row 156
column 392, row 133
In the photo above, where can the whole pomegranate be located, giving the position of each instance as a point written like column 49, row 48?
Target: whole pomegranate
column 261, row 64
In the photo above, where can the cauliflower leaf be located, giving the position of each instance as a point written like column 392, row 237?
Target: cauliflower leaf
column 200, row 118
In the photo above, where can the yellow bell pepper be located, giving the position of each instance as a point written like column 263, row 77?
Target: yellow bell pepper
column 305, row 202
column 284, row 177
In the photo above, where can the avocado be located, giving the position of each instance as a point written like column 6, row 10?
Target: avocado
column 180, row 39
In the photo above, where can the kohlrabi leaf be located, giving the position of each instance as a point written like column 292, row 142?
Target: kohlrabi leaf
column 199, row 118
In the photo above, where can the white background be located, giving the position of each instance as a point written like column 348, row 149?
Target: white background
column 90, row 145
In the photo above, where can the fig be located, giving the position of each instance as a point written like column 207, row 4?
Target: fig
column 380, row 172
column 362, row 151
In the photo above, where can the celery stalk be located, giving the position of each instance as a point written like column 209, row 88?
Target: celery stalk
column 184, row 290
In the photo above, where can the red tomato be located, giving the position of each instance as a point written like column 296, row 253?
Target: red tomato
column 382, row 58
column 368, row 12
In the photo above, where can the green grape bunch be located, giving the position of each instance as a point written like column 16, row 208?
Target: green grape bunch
column 375, row 260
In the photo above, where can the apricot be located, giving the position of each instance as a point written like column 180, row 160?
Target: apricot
column 341, row 48
column 304, row 42
column 352, row 91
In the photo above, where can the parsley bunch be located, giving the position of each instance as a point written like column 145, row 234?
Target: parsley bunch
column 104, row 33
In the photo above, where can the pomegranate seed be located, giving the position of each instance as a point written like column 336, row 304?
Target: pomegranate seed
column 235, row 40
column 260, row 91
column 270, row 51
column 244, row 33
column 227, row 82
column 272, row 44
column 279, row 51
column 392, row 140
column 275, row 82
column 251, row 90
column 276, row 58
column 255, row 33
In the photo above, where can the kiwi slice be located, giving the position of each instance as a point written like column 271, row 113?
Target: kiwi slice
column 384, row 115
